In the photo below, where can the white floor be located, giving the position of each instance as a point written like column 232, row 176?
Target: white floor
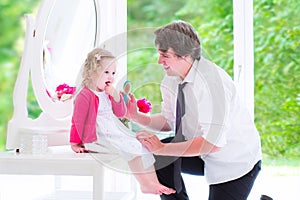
column 28, row 187
column 277, row 187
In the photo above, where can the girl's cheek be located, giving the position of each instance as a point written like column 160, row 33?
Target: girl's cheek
column 100, row 85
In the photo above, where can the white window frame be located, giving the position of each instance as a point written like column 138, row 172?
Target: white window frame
column 244, row 51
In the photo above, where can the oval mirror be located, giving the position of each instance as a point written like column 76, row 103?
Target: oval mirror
column 70, row 35
column 66, row 31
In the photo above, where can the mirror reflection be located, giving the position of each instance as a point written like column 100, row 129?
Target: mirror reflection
column 70, row 34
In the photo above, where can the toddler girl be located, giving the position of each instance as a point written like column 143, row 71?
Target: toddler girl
column 95, row 122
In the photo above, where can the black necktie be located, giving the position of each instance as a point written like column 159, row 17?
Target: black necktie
column 180, row 111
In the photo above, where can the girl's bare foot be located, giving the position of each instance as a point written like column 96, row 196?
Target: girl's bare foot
column 156, row 188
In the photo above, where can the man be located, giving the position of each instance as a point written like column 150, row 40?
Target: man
column 214, row 134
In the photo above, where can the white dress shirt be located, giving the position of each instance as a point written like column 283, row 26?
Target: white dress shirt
column 214, row 111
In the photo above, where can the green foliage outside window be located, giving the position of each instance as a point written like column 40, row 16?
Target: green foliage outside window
column 11, row 44
column 277, row 72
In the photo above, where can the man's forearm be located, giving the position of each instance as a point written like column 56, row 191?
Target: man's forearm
column 154, row 122
column 194, row 147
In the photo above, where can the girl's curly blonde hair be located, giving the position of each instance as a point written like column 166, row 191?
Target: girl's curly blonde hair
column 94, row 64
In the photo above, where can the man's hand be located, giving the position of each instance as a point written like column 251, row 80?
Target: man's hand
column 193, row 147
column 131, row 108
column 150, row 141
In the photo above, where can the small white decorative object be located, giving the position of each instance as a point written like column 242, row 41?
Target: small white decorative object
column 34, row 144
column 39, row 144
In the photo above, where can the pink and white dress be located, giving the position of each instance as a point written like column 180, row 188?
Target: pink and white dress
column 114, row 136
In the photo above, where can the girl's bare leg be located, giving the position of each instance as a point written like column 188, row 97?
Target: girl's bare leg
column 147, row 178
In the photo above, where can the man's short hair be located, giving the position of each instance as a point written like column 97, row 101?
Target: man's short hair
column 181, row 37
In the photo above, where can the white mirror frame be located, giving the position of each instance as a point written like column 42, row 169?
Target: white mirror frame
column 54, row 109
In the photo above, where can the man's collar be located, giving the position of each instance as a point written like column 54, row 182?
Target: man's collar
column 190, row 77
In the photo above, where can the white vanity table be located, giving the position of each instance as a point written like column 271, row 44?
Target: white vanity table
column 56, row 44
column 59, row 161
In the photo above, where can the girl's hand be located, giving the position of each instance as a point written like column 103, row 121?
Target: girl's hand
column 131, row 108
column 79, row 148
column 150, row 141
column 110, row 90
